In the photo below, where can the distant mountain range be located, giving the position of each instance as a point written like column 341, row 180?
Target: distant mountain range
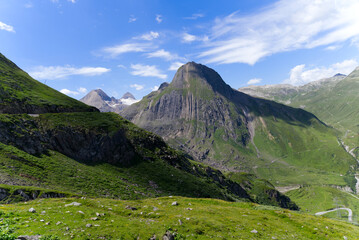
column 334, row 100
column 99, row 99
column 200, row 114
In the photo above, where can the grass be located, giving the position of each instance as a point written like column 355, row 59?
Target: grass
column 312, row 199
column 22, row 93
column 301, row 154
column 190, row 219
column 144, row 179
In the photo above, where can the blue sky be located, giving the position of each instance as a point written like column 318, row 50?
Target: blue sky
column 79, row 45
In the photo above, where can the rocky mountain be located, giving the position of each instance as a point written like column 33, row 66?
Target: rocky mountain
column 20, row 93
column 200, row 114
column 102, row 154
column 333, row 100
column 99, row 99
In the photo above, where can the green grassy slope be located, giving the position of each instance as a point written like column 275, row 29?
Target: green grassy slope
column 334, row 101
column 314, row 199
column 20, row 93
column 190, row 219
column 301, row 154
column 150, row 172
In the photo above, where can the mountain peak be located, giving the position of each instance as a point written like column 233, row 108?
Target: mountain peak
column 195, row 75
column 339, row 75
column 100, row 93
column 128, row 95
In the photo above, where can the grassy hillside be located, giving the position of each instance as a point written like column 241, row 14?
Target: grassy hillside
column 190, row 219
column 333, row 100
column 20, row 93
column 149, row 173
column 314, row 199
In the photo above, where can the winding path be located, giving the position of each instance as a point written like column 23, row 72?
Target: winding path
column 350, row 213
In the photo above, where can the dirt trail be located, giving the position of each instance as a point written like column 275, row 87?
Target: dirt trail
column 350, row 213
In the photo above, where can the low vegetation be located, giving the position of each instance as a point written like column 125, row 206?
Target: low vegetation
column 186, row 218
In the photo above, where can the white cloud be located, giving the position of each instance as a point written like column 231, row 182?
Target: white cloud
column 114, row 51
column 195, row 16
column 28, row 5
column 121, row 66
column 74, row 93
column 148, row 36
column 129, row 101
column 165, row 55
column 188, row 37
column 73, row 1
column 175, row 66
column 58, row 72
column 159, row 18
column 82, row 90
column 283, row 26
column 4, row 26
column 137, row 86
column 254, row 81
column 299, row 75
column 147, row 71
column 69, row 92
column 333, row 47
column 132, row 19
column 155, row 88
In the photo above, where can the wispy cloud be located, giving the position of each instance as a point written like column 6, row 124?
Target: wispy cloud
column 73, row 93
column 58, row 72
column 195, row 16
column 254, row 81
column 281, row 27
column 300, row 75
column 155, row 88
column 138, row 87
column 121, row 66
column 333, row 47
column 159, row 18
column 73, row 1
column 148, row 36
column 28, row 5
column 165, row 55
column 82, row 90
column 114, row 51
column 132, row 19
column 175, row 66
column 147, row 71
column 4, row 26
column 130, row 101
column 186, row 37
